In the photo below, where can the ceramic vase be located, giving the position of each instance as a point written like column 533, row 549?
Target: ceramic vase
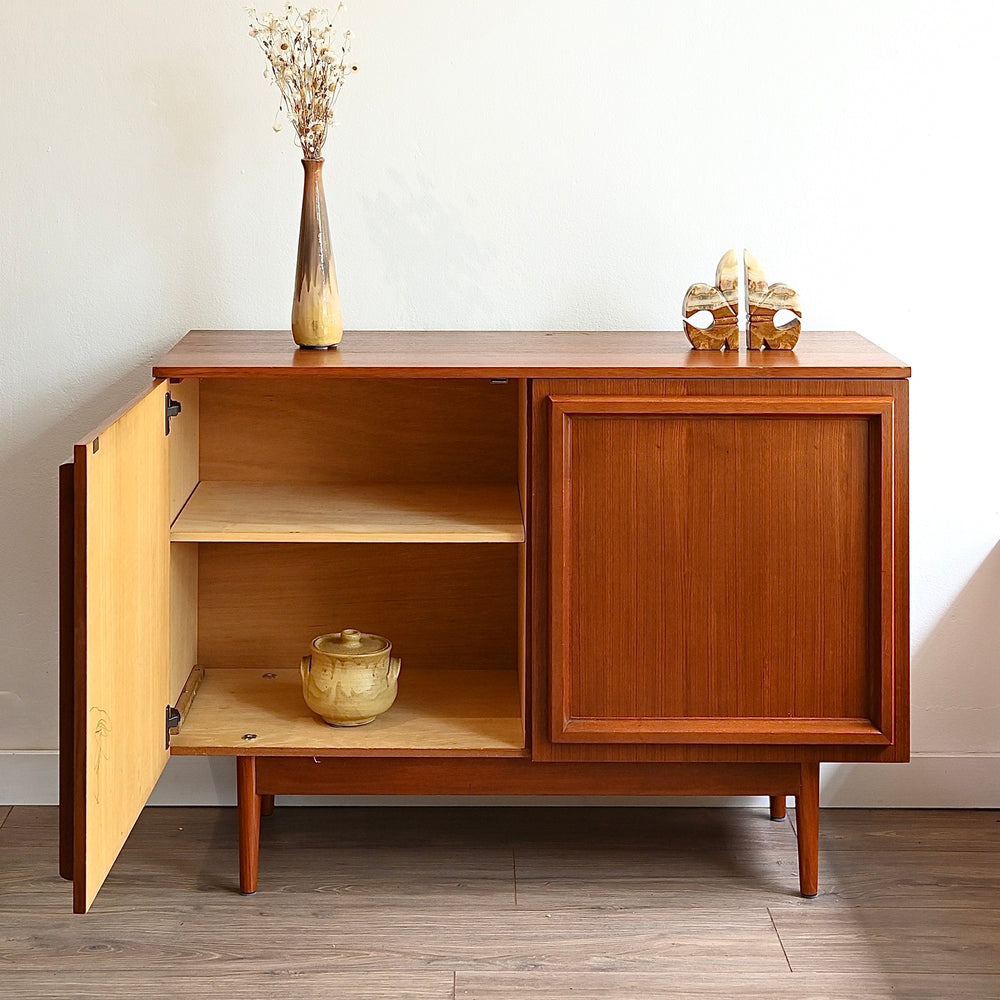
column 317, row 321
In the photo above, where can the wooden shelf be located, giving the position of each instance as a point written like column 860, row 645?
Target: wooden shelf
column 328, row 512
column 437, row 712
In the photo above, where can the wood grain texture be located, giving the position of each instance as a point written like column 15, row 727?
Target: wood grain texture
column 877, row 939
column 308, row 932
column 708, row 985
column 372, row 425
column 358, row 431
column 451, row 605
column 887, row 877
column 755, row 872
column 183, row 443
column 281, row 984
column 371, row 878
column 248, row 813
column 211, row 354
column 523, row 560
column 398, row 877
column 183, row 616
column 909, row 830
column 121, row 602
column 336, row 858
column 67, row 671
column 370, row 775
column 708, row 588
column 807, row 829
column 574, row 856
column 435, row 712
column 894, row 591
column 325, row 512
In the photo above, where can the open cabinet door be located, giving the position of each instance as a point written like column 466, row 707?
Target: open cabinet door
column 121, row 565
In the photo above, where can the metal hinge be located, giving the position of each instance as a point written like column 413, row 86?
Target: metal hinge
column 173, row 720
column 173, row 408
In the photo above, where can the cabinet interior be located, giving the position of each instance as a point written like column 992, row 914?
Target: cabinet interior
column 304, row 506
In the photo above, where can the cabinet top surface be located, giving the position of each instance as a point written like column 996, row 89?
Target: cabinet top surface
column 519, row 354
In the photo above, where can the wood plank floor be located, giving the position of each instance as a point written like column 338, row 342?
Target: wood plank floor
column 512, row 904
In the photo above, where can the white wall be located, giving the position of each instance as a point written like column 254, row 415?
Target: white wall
column 538, row 164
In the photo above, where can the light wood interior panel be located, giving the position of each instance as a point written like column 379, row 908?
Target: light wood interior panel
column 123, row 641
column 442, row 606
column 359, row 430
column 183, row 443
column 337, row 512
column 436, row 712
column 183, row 615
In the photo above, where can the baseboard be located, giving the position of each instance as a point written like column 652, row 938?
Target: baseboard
column 929, row 781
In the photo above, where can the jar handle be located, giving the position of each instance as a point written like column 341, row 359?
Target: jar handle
column 394, row 664
column 306, row 665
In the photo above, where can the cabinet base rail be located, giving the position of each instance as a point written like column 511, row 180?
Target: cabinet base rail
column 259, row 779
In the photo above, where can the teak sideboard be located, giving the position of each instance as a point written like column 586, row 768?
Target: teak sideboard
column 611, row 565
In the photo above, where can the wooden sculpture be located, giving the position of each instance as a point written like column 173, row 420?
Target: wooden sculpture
column 722, row 301
column 764, row 301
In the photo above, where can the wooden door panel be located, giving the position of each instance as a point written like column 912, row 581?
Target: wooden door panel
column 803, row 527
column 650, row 573
column 717, row 569
column 121, row 601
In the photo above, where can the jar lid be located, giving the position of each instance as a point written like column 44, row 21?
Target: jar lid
column 350, row 642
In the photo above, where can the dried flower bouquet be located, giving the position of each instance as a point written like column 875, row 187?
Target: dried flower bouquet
column 309, row 60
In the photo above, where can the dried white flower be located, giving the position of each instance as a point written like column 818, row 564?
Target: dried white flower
column 308, row 60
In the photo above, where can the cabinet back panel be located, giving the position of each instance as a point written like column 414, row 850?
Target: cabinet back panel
column 442, row 606
column 358, row 430
column 721, row 567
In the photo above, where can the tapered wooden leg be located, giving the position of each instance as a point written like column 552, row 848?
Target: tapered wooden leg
column 777, row 807
column 266, row 805
column 248, row 812
column 807, row 827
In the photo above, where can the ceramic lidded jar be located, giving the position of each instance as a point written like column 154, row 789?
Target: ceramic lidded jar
column 350, row 677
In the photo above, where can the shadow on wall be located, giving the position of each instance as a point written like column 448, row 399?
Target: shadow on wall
column 955, row 713
column 956, row 672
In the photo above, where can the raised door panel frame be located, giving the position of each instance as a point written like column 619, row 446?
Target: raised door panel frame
column 121, row 596
column 564, row 727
